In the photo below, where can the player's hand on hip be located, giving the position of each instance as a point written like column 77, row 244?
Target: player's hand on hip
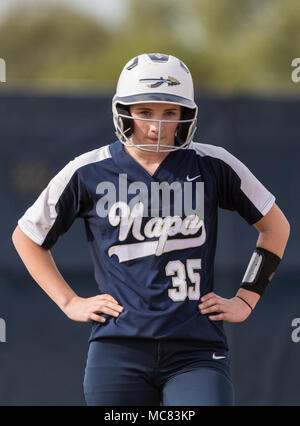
column 88, row 309
column 231, row 310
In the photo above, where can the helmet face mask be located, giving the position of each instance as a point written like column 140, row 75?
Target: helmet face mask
column 155, row 78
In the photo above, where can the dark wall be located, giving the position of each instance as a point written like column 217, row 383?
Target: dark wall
column 43, row 358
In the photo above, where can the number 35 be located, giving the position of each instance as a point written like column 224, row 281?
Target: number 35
column 176, row 269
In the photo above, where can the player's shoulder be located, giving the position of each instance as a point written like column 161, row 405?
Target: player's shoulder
column 90, row 157
column 208, row 150
column 220, row 159
column 216, row 155
column 80, row 161
column 98, row 154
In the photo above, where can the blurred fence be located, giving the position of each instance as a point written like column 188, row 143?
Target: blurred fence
column 42, row 357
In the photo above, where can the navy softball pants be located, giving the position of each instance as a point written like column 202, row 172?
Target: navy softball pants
column 142, row 372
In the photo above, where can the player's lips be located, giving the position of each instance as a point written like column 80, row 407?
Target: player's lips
column 155, row 139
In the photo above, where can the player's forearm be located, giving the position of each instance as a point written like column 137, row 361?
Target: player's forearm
column 273, row 236
column 41, row 266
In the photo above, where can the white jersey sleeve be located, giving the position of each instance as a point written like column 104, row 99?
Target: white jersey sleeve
column 61, row 202
column 238, row 189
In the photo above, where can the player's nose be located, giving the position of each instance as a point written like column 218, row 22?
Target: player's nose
column 154, row 126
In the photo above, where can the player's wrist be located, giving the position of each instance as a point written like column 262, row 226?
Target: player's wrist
column 249, row 297
column 245, row 303
column 67, row 301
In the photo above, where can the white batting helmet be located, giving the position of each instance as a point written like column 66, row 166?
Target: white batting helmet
column 156, row 78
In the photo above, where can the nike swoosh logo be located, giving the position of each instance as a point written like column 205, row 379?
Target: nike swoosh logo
column 190, row 179
column 217, row 357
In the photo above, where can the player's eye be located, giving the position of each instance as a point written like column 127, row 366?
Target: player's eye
column 144, row 113
column 170, row 113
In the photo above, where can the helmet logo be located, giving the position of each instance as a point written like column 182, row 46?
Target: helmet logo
column 171, row 81
column 158, row 57
column 133, row 63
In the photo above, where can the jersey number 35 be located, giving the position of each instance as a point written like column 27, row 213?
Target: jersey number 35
column 177, row 270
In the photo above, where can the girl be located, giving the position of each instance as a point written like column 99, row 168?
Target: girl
column 150, row 202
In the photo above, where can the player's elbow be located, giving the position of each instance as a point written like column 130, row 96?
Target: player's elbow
column 285, row 232
column 283, row 227
column 281, row 230
column 287, row 229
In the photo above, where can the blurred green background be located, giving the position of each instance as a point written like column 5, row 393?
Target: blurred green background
column 230, row 45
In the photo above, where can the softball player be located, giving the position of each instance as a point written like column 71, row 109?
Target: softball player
column 149, row 203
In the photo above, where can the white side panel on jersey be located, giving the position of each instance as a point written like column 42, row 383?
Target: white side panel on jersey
column 40, row 217
column 261, row 198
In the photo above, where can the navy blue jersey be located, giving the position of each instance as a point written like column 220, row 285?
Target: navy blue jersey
column 154, row 258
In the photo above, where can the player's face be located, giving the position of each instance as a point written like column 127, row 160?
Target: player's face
column 147, row 132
